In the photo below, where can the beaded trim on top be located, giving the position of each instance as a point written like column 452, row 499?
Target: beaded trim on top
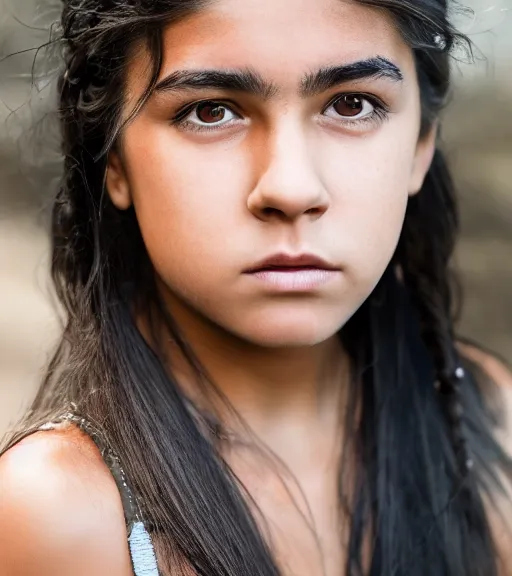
column 141, row 548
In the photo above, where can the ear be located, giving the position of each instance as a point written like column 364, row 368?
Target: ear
column 423, row 156
column 116, row 182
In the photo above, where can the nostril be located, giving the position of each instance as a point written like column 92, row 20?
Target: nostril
column 269, row 211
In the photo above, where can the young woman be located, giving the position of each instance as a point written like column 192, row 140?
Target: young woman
column 259, row 373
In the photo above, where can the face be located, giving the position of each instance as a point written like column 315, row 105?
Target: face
column 304, row 143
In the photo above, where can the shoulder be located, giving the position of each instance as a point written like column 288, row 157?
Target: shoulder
column 489, row 363
column 501, row 375
column 60, row 511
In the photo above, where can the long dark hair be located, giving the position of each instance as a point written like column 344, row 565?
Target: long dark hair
column 422, row 443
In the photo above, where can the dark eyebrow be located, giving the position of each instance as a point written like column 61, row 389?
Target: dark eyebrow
column 236, row 80
column 251, row 82
column 326, row 78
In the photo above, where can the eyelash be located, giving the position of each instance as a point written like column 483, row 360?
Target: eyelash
column 379, row 114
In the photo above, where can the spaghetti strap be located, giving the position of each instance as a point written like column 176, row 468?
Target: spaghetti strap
column 142, row 552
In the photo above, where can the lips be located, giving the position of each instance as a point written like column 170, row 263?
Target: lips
column 286, row 273
column 289, row 262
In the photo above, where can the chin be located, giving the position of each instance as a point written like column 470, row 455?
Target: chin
column 290, row 330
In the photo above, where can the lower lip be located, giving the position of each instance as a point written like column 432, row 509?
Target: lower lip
column 295, row 279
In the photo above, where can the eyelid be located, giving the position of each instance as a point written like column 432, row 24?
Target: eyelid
column 380, row 112
column 189, row 107
column 372, row 98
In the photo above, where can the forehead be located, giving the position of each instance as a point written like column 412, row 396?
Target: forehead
column 281, row 40
column 283, row 37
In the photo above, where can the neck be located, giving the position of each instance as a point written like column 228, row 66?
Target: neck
column 279, row 393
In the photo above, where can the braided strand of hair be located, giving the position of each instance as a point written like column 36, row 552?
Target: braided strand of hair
column 424, row 254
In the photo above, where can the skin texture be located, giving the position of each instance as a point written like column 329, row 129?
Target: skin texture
column 283, row 175
column 60, row 512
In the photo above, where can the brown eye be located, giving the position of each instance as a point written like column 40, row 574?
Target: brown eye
column 210, row 112
column 349, row 105
column 207, row 116
column 354, row 110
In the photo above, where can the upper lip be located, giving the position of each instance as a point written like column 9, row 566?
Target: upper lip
column 292, row 261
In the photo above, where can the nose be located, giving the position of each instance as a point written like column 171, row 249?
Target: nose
column 289, row 186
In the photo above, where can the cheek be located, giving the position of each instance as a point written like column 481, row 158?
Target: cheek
column 189, row 202
column 371, row 179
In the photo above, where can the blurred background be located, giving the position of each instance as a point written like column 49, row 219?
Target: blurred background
column 477, row 131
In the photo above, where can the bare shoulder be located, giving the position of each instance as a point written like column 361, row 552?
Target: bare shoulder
column 60, row 511
column 501, row 375
column 489, row 363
